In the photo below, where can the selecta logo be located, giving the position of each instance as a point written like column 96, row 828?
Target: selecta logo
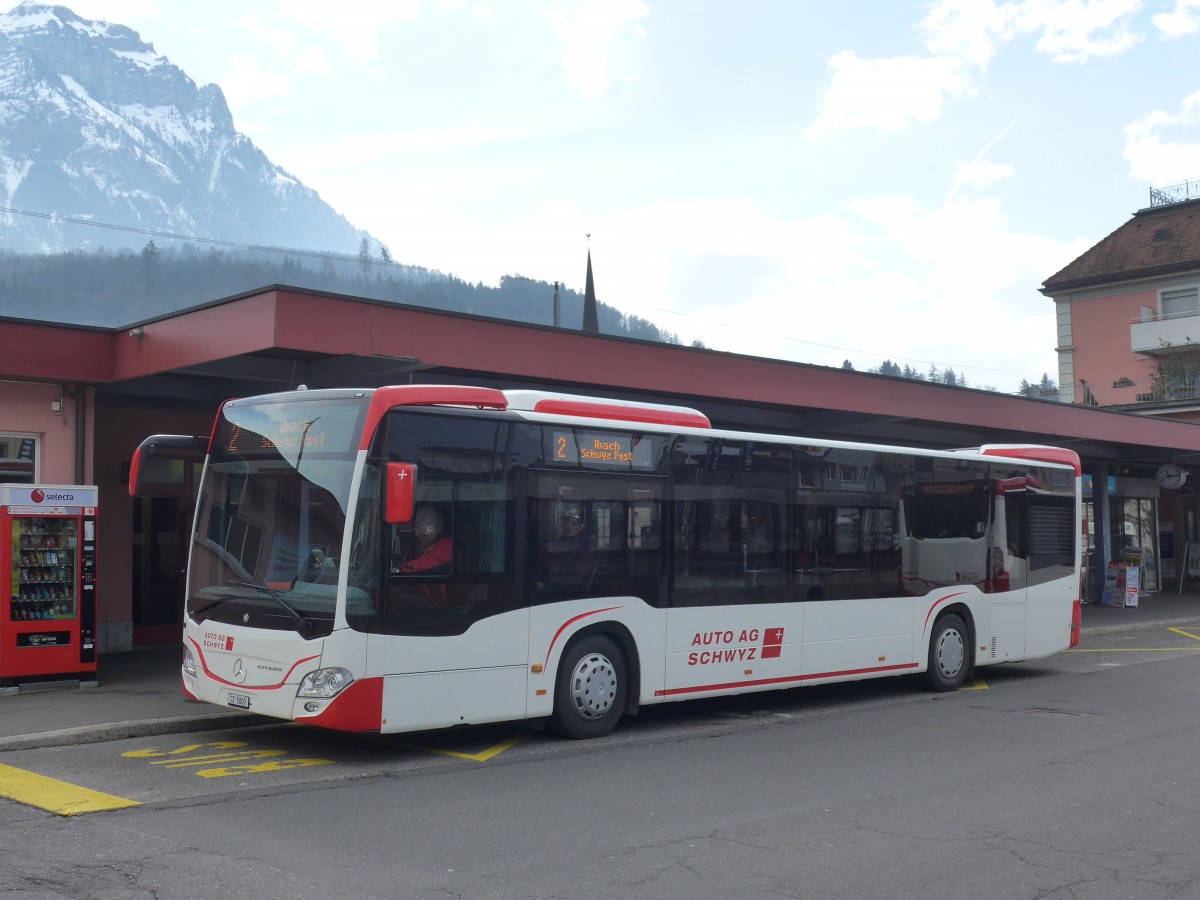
column 37, row 495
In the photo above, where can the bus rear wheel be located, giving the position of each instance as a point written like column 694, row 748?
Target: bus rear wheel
column 589, row 695
column 949, row 654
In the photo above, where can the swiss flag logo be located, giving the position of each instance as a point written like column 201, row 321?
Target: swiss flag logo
column 228, row 643
column 772, row 643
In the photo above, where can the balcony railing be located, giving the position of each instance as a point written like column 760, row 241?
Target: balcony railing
column 1174, row 193
column 1136, row 391
column 1158, row 334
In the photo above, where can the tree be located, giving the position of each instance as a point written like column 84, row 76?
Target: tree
column 364, row 255
column 887, row 367
column 847, row 365
column 1177, row 373
column 151, row 257
column 699, row 345
column 1047, row 387
column 384, row 256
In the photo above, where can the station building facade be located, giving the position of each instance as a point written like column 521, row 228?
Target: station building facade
column 77, row 401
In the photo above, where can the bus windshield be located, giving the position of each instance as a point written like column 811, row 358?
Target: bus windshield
column 272, row 513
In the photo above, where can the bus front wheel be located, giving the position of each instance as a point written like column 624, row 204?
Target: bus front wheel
column 949, row 654
column 589, row 695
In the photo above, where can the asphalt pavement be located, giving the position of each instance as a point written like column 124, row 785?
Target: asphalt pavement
column 138, row 693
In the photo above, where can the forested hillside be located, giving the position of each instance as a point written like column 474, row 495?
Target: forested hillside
column 115, row 289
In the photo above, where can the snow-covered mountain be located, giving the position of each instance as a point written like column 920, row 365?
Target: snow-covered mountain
column 95, row 125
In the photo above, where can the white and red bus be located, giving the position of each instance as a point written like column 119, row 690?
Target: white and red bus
column 594, row 556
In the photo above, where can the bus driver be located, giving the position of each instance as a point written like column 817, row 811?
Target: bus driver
column 433, row 551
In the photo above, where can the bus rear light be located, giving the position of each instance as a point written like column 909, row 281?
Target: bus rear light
column 325, row 683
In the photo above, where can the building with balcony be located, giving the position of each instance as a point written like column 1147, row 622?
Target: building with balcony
column 1128, row 312
column 1128, row 320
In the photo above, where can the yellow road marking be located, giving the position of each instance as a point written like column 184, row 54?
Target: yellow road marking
column 1132, row 649
column 216, row 758
column 979, row 685
column 52, row 795
column 489, row 753
column 275, row 765
column 189, row 748
column 1184, row 633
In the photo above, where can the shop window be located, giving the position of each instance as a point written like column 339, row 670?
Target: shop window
column 18, row 458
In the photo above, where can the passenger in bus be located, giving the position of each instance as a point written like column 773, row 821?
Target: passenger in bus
column 433, row 551
column 569, row 561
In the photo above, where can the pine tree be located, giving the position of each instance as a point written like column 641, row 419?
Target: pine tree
column 151, row 257
column 364, row 255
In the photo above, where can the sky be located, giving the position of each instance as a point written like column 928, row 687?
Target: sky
column 819, row 182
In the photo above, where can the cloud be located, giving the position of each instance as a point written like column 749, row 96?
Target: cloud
column 1076, row 30
column 328, row 157
column 119, row 11
column 247, row 83
column 887, row 94
column 980, row 173
column 966, row 30
column 591, row 36
column 1183, row 21
column 1155, row 158
column 354, row 27
column 310, row 60
column 281, row 41
column 962, row 37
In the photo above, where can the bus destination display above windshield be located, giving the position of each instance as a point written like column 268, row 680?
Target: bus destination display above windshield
column 291, row 429
column 592, row 449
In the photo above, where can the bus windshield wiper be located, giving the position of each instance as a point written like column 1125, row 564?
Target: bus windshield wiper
column 304, row 621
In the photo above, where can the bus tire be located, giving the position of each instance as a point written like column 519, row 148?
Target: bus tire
column 949, row 652
column 590, row 689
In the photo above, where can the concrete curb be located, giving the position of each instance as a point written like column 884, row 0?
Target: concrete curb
column 1142, row 626
column 94, row 734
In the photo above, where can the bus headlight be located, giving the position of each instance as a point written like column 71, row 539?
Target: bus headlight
column 189, row 662
column 324, row 683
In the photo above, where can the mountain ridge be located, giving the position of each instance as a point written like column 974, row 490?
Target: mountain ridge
column 96, row 125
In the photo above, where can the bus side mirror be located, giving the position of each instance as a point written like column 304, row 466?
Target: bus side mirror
column 162, row 446
column 401, row 484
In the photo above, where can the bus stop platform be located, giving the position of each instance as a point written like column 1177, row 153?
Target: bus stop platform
column 138, row 693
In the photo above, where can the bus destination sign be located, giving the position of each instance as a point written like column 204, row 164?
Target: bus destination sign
column 291, row 430
column 592, row 449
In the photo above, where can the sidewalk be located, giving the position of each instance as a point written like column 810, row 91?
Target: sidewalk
column 134, row 694
column 138, row 694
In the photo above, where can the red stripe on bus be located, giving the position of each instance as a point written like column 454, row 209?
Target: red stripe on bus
column 567, row 624
column 790, row 679
column 1039, row 454
column 590, row 409
column 386, row 398
column 358, row 708
column 255, row 687
column 938, row 603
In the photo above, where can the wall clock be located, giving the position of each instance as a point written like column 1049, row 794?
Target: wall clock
column 1170, row 476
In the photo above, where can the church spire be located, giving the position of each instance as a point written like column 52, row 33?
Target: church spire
column 591, row 322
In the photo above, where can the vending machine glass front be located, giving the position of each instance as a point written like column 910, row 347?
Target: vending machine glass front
column 43, row 572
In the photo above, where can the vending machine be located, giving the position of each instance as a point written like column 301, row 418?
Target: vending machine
column 48, row 613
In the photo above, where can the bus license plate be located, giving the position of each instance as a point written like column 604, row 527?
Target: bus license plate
column 241, row 701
